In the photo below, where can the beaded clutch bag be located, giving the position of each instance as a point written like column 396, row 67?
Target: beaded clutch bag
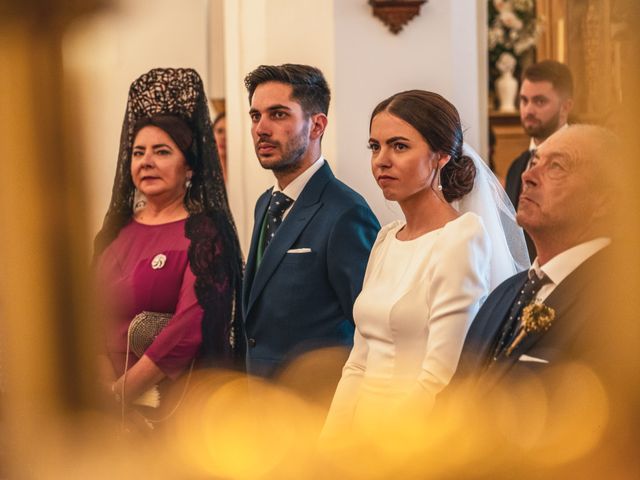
column 144, row 328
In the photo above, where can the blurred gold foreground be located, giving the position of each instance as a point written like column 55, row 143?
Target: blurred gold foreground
column 580, row 421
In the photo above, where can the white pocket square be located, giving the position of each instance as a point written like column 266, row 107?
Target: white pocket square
column 528, row 358
column 299, row 250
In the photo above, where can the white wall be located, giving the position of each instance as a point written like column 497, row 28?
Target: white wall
column 216, row 87
column 436, row 51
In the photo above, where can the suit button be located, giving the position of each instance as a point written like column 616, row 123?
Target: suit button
column 251, row 342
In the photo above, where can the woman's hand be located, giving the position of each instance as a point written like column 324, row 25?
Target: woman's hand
column 137, row 380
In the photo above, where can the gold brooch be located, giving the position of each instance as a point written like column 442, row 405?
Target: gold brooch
column 536, row 317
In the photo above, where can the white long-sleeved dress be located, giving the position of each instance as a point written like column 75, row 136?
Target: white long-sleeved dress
column 417, row 303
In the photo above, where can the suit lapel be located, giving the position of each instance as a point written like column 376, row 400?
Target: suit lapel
column 564, row 299
column 295, row 222
column 261, row 209
column 514, row 182
column 501, row 311
column 486, row 327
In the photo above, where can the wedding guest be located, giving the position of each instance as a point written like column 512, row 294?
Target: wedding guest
column 220, row 135
column 429, row 273
column 177, row 255
column 312, row 233
column 546, row 100
column 539, row 317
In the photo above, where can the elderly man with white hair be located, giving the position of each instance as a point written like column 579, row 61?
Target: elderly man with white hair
column 539, row 317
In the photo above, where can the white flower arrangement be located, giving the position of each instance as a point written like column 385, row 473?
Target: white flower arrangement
column 512, row 25
column 512, row 34
column 511, row 21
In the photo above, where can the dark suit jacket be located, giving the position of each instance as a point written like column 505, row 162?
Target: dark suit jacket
column 513, row 187
column 294, row 302
column 513, row 183
column 579, row 312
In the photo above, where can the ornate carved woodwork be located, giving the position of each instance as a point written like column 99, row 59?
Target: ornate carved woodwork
column 395, row 14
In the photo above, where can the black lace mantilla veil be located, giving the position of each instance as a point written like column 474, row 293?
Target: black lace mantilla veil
column 214, row 252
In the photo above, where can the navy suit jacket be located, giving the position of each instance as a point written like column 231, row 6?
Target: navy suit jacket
column 295, row 302
column 513, row 182
column 579, row 308
column 513, row 187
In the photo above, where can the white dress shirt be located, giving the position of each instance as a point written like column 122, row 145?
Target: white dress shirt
column 560, row 266
column 294, row 189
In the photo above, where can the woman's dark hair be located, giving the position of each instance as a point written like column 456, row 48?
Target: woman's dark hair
column 174, row 126
column 438, row 122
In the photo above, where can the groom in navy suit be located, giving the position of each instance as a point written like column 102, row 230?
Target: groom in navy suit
column 549, row 313
column 312, row 234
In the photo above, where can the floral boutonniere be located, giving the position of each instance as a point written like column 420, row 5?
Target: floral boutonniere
column 536, row 317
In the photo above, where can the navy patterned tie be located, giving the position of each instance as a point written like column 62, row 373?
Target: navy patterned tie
column 528, row 292
column 277, row 205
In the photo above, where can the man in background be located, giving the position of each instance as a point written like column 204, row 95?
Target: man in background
column 550, row 313
column 546, row 99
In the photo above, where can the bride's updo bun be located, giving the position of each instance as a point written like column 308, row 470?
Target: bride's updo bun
column 457, row 177
column 437, row 120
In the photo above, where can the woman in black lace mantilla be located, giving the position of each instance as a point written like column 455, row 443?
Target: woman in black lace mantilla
column 170, row 105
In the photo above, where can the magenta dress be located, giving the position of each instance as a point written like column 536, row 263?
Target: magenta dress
column 146, row 268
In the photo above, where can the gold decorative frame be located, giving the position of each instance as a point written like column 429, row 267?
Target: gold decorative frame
column 591, row 36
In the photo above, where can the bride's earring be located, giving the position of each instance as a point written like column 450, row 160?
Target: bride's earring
column 439, row 187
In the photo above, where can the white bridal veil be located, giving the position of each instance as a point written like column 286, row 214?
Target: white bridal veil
column 488, row 200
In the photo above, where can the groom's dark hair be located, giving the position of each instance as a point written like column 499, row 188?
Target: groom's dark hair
column 309, row 87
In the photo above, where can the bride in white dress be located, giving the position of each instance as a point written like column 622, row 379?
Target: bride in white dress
column 428, row 275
